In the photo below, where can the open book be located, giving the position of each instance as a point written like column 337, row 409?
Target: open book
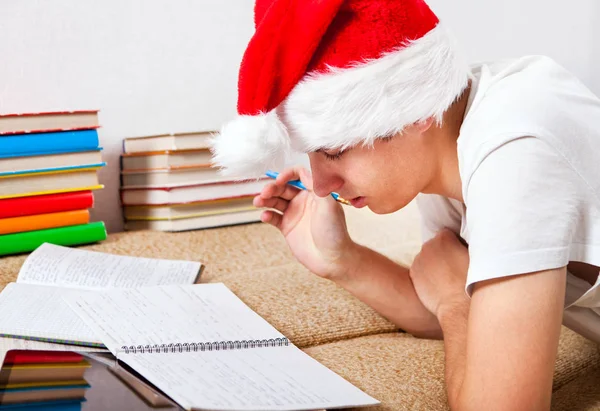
column 32, row 307
column 203, row 347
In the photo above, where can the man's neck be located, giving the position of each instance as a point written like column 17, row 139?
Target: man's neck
column 447, row 180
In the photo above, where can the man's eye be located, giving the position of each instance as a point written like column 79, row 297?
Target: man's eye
column 335, row 156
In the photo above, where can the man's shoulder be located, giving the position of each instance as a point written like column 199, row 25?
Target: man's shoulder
column 531, row 91
column 526, row 93
column 529, row 97
column 533, row 70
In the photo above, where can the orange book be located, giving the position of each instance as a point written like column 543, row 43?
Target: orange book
column 43, row 221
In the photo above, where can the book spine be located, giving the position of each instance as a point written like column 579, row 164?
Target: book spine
column 51, row 170
column 32, row 154
column 83, row 140
column 43, row 385
column 17, row 357
column 65, row 236
column 49, row 203
column 43, row 221
column 58, row 191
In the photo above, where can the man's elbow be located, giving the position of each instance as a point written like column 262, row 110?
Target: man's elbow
column 426, row 327
column 427, row 333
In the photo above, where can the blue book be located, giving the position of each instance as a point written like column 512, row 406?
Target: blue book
column 5, row 391
column 61, row 141
column 58, row 405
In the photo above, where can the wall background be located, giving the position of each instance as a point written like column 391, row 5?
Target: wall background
column 159, row 66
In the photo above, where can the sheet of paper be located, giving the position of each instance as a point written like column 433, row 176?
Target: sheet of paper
column 8, row 344
column 280, row 378
column 169, row 315
column 50, row 264
column 37, row 311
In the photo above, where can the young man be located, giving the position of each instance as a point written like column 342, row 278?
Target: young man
column 504, row 157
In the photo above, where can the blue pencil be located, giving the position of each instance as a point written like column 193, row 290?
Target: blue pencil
column 298, row 184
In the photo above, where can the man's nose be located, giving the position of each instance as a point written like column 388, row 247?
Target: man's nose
column 325, row 182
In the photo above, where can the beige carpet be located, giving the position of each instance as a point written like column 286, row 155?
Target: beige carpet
column 582, row 394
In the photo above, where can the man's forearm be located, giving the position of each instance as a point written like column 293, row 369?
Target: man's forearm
column 386, row 286
column 454, row 321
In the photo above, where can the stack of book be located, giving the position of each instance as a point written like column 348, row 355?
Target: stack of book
column 169, row 184
column 44, row 380
column 48, row 171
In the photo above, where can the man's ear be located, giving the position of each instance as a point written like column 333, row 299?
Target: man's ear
column 423, row 125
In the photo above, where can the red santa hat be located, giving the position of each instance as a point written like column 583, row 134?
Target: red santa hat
column 332, row 74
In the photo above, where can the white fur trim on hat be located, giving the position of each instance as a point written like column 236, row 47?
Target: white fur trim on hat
column 345, row 107
column 250, row 145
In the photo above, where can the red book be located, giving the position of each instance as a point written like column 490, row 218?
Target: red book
column 44, row 204
column 37, row 357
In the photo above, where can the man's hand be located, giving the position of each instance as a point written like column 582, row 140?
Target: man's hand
column 439, row 272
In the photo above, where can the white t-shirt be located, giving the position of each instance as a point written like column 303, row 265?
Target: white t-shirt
column 529, row 160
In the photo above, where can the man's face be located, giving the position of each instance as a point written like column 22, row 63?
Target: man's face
column 385, row 177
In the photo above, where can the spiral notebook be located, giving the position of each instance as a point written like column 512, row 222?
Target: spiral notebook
column 204, row 348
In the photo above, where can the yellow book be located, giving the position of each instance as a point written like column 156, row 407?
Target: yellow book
column 44, row 384
column 23, row 373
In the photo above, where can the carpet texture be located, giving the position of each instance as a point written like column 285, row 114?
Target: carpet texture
column 582, row 394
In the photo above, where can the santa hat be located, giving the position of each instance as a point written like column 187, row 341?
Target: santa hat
column 332, row 74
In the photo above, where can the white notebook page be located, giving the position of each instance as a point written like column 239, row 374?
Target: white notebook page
column 37, row 311
column 274, row 378
column 170, row 314
column 267, row 378
column 33, row 308
column 72, row 267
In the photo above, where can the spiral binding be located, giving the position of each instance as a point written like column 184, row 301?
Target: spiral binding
column 204, row 346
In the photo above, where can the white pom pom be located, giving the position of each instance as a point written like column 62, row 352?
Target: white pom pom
column 250, row 145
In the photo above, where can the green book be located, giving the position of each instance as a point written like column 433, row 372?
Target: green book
column 66, row 236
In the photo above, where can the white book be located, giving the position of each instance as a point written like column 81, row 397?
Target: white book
column 51, row 121
column 45, row 161
column 32, row 307
column 189, row 210
column 204, row 348
column 40, row 182
column 171, row 177
column 189, row 194
column 175, row 141
column 168, row 159
column 197, row 223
